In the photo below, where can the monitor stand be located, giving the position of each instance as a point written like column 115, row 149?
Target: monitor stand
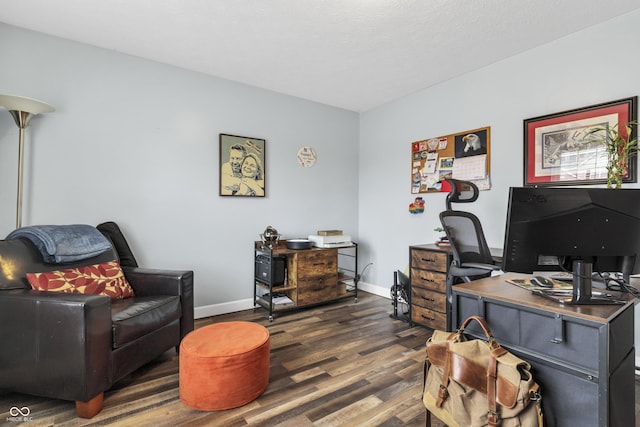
column 581, row 294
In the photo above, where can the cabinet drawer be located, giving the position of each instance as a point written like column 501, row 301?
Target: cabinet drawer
column 575, row 343
column 429, row 280
column 316, row 263
column 312, row 290
column 429, row 260
column 429, row 318
column 540, row 332
column 428, row 299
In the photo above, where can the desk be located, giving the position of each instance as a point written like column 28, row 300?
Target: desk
column 582, row 356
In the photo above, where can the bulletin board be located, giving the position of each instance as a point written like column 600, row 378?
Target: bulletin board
column 464, row 156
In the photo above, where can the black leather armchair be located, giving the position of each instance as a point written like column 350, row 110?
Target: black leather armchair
column 74, row 346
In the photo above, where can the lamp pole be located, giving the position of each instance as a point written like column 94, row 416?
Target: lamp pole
column 22, row 110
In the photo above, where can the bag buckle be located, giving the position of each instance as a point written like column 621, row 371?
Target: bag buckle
column 492, row 417
column 443, row 393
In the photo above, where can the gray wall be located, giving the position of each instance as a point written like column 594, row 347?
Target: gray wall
column 592, row 66
column 136, row 142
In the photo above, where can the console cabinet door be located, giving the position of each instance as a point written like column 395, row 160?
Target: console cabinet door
column 315, row 274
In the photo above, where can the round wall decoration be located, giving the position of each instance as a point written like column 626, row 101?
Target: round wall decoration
column 306, row 157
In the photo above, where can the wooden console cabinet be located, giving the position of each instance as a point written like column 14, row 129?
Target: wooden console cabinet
column 310, row 276
column 428, row 278
column 582, row 356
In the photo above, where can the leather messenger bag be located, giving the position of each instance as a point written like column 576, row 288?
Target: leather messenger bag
column 474, row 383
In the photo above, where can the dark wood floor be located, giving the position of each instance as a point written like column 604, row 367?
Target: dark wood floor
column 344, row 364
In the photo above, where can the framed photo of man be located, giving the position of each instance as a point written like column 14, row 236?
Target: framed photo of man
column 242, row 161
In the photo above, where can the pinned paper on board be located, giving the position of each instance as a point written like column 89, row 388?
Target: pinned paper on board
column 431, row 164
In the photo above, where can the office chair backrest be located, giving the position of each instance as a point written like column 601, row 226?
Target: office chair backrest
column 466, row 237
column 460, row 191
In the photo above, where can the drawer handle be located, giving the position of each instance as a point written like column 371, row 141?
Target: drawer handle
column 428, row 299
column 428, row 318
column 428, row 259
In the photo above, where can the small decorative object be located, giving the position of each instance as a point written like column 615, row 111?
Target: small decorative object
column 444, row 240
column 242, row 166
column 622, row 145
column 417, row 206
column 306, row 157
column 270, row 237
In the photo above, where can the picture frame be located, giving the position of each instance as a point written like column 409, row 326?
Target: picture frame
column 557, row 152
column 242, row 166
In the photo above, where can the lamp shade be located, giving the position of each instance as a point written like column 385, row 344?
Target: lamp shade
column 28, row 105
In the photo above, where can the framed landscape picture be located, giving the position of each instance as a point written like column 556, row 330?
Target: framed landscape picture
column 558, row 151
column 242, row 160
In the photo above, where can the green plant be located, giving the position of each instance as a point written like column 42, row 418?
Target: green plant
column 622, row 145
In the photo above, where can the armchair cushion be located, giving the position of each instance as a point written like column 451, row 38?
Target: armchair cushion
column 136, row 317
column 105, row 278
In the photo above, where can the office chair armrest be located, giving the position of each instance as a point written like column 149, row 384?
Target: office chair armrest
column 482, row 266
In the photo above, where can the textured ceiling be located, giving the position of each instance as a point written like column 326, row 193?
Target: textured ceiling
column 353, row 54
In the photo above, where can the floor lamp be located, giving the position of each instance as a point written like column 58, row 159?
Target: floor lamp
column 22, row 109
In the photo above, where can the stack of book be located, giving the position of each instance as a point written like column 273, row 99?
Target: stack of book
column 330, row 232
column 444, row 241
column 278, row 299
column 330, row 239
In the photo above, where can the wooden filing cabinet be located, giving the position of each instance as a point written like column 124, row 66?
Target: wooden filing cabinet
column 428, row 278
column 315, row 275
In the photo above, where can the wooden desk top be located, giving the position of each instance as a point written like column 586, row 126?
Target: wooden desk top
column 281, row 248
column 497, row 288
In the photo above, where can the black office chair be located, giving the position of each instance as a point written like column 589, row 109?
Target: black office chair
column 472, row 258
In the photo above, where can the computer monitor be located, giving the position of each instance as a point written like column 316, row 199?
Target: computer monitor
column 582, row 230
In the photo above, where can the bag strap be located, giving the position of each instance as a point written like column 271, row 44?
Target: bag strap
column 443, row 392
column 493, row 418
column 427, row 365
column 482, row 323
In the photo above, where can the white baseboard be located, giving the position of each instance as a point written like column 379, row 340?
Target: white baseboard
column 223, row 308
column 381, row 291
column 247, row 304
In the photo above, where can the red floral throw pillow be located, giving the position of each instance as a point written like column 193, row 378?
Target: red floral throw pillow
column 98, row 279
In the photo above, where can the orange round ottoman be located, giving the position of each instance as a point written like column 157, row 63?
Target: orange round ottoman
column 224, row 365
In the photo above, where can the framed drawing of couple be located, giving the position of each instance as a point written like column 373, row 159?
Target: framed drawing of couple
column 242, row 160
